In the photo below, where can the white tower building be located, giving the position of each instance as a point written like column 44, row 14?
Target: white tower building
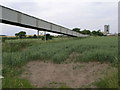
column 106, row 29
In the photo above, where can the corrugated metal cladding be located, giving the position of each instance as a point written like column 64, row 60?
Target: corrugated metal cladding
column 44, row 25
column 9, row 15
column 14, row 17
column 56, row 28
column 63, row 30
column 74, row 33
column 69, row 32
column 27, row 20
column 77, row 34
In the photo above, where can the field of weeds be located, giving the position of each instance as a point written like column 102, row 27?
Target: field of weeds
column 17, row 53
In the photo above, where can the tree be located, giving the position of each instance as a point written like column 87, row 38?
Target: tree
column 21, row 34
column 48, row 37
column 35, row 36
column 100, row 33
column 86, row 32
column 83, row 32
column 94, row 33
column 76, row 29
column 16, row 34
column 97, row 33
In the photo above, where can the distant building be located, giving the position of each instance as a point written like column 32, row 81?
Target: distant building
column 115, row 34
column 106, row 29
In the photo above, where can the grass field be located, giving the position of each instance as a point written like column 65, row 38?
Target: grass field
column 17, row 53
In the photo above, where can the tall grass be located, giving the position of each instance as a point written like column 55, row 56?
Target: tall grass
column 89, row 49
column 109, row 81
column 16, row 53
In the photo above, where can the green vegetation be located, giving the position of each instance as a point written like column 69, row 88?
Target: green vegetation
column 17, row 53
column 47, row 37
column 89, row 49
column 11, row 82
column 13, row 47
column 88, row 32
column 20, row 34
column 109, row 81
column 12, row 78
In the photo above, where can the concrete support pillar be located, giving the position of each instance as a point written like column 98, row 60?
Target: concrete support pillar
column 38, row 33
column 45, row 35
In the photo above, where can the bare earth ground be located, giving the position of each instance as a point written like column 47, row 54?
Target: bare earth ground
column 73, row 75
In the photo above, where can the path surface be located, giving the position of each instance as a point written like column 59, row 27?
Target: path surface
column 73, row 75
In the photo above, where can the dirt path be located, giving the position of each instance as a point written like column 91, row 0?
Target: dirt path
column 73, row 75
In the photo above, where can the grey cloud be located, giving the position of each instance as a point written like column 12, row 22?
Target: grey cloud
column 86, row 15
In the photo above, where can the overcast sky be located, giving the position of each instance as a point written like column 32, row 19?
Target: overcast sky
column 83, row 14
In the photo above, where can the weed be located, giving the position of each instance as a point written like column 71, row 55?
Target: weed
column 109, row 81
column 17, row 53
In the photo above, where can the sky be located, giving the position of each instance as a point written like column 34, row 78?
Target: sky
column 83, row 14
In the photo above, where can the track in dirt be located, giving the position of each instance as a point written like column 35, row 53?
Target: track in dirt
column 73, row 75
